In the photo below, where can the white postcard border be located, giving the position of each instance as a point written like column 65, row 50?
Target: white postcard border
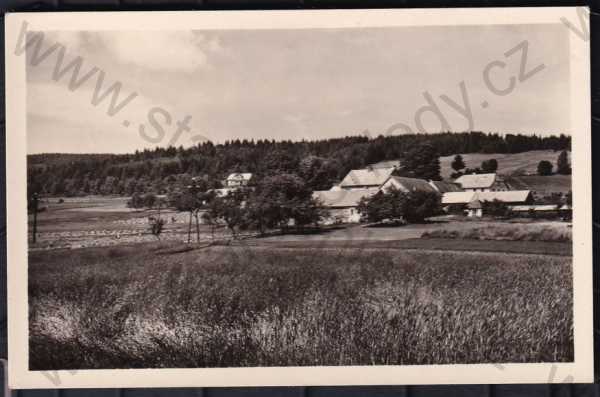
column 581, row 370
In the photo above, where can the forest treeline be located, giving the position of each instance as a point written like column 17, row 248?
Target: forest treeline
column 320, row 163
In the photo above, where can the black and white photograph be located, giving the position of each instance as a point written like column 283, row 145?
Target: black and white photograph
column 344, row 191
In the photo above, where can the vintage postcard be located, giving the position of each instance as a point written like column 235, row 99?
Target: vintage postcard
column 340, row 197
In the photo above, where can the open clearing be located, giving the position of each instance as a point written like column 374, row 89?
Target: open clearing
column 508, row 163
column 155, row 306
column 99, row 222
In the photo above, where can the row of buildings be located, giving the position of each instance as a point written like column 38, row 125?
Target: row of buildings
column 466, row 193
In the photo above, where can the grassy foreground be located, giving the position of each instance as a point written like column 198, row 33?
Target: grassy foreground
column 146, row 306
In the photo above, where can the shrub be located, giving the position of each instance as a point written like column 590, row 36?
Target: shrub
column 512, row 232
column 495, row 208
column 156, row 226
column 544, row 168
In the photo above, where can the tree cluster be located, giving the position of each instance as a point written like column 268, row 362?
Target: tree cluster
column 489, row 166
column 563, row 165
column 277, row 202
column 320, row 163
column 412, row 207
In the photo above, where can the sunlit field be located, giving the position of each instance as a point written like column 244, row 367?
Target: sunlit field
column 168, row 305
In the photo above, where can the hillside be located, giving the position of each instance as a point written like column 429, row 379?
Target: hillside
column 524, row 163
column 541, row 185
column 320, row 163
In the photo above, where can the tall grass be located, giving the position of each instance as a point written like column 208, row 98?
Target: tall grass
column 220, row 307
column 507, row 231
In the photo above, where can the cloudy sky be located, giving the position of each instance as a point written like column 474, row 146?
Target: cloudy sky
column 294, row 84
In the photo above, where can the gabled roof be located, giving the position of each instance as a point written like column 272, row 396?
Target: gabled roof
column 476, row 181
column 239, row 176
column 510, row 196
column 342, row 198
column 443, row 187
column 526, row 208
column 474, row 205
column 406, row 185
column 367, row 177
column 458, row 197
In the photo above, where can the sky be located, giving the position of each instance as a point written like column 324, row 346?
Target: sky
column 296, row 84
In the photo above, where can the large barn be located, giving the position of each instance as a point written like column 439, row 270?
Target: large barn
column 342, row 203
column 472, row 202
column 366, row 178
column 481, row 183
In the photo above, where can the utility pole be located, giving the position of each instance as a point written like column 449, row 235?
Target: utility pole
column 35, row 210
column 193, row 190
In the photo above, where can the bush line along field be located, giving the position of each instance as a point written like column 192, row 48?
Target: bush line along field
column 146, row 306
column 550, row 232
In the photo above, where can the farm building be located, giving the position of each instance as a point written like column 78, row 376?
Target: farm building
column 472, row 202
column 545, row 210
column 443, row 187
column 238, row 179
column 342, row 203
column 407, row 184
column 535, row 208
column 367, row 178
column 481, row 183
column 233, row 181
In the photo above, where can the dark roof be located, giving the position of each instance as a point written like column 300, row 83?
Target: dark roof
column 406, row 185
column 444, row 187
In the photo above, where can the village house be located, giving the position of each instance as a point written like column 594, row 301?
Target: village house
column 342, row 204
column 342, row 199
column 367, row 178
column 407, row 185
column 472, row 201
column 443, row 187
column 232, row 182
column 238, row 179
column 481, row 183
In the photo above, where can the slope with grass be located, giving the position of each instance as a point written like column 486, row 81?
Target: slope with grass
column 508, row 163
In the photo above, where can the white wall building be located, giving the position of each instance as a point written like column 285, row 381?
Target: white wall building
column 238, row 179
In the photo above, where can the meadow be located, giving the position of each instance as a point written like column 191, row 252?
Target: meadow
column 510, row 164
column 507, row 231
column 165, row 305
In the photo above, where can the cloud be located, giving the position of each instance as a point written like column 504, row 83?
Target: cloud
column 183, row 51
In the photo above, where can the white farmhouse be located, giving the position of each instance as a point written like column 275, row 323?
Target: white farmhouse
column 238, row 179
column 342, row 203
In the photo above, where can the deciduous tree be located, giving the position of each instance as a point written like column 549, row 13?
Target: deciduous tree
column 544, row 168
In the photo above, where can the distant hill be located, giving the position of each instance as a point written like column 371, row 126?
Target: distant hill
column 524, row 163
column 541, row 185
column 321, row 163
